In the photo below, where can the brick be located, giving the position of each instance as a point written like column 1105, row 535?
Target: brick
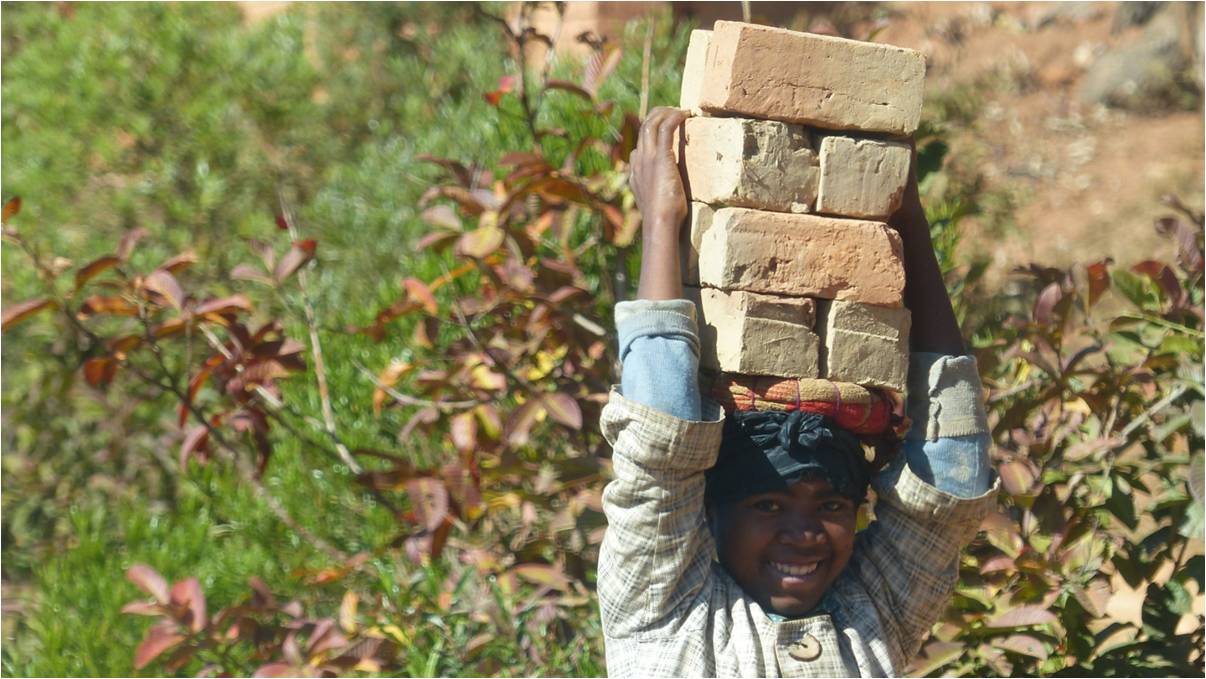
column 862, row 177
column 693, row 70
column 753, row 334
column 818, row 80
column 864, row 344
column 698, row 221
column 762, row 164
column 802, row 256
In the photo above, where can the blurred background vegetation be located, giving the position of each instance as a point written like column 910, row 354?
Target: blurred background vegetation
column 211, row 132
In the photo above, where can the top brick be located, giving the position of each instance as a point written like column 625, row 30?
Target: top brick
column 819, row 80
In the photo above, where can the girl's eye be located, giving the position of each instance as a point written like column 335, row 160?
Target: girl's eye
column 834, row 506
column 766, row 506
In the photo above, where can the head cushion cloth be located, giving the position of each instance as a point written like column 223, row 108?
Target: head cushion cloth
column 766, row 451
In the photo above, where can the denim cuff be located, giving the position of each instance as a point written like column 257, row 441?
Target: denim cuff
column 674, row 318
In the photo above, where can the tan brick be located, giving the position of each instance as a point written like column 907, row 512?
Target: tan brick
column 693, row 70
column 864, row 344
column 862, row 177
column 819, row 80
column 762, row 164
column 698, row 221
column 802, row 256
column 753, row 334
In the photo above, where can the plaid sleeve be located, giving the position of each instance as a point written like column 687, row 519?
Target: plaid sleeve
column 907, row 560
column 657, row 551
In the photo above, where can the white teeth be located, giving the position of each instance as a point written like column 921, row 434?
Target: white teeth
column 794, row 570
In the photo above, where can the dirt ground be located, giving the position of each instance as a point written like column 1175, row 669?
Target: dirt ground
column 1068, row 181
column 1085, row 180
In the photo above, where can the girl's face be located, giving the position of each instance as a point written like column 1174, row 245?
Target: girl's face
column 787, row 548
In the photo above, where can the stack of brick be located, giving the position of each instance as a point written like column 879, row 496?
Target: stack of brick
column 793, row 160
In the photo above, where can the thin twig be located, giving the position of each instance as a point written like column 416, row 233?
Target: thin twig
column 320, row 370
column 1157, row 407
column 411, row 400
column 232, row 454
column 646, row 57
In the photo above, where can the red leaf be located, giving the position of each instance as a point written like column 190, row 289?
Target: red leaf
column 566, row 86
column 128, row 240
column 458, row 170
column 418, row 291
column 99, row 372
column 93, row 268
column 142, row 608
column 15, row 313
column 237, row 302
column 564, row 409
column 1000, row 562
column 519, row 425
column 442, row 216
column 1024, row 644
column 158, row 639
column 436, row 239
column 1023, row 616
column 480, row 242
column 246, row 272
column 463, row 430
column 301, row 252
column 99, row 304
column 429, row 501
column 1164, row 277
column 179, row 262
column 599, row 67
column 505, row 85
column 282, row 223
column 276, row 669
column 1045, row 304
column 187, row 593
column 1018, row 476
column 165, row 284
column 11, row 208
column 195, row 441
column 1099, row 280
column 149, row 580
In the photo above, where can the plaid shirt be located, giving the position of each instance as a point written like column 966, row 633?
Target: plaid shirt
column 669, row 609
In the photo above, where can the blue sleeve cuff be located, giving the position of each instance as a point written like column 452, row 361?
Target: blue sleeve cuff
column 659, row 349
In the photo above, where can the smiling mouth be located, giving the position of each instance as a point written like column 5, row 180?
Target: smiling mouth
column 795, row 570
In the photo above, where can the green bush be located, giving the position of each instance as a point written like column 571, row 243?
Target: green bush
column 453, row 238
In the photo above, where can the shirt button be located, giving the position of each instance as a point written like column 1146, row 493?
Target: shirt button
column 806, row 649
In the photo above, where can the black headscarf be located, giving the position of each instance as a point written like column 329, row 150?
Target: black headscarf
column 765, row 451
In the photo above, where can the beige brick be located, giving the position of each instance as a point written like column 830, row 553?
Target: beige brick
column 864, row 344
column 762, row 164
column 753, row 334
column 818, row 80
column 698, row 221
column 693, row 70
column 802, row 256
column 862, row 177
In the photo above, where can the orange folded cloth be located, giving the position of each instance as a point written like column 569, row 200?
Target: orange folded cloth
column 860, row 410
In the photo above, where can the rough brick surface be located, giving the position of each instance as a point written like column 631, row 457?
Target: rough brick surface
column 802, row 256
column 762, row 164
column 753, row 334
column 693, row 70
column 863, row 344
column 862, row 177
column 819, row 80
column 698, row 221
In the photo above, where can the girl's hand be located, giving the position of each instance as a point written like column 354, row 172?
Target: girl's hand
column 655, row 179
column 658, row 187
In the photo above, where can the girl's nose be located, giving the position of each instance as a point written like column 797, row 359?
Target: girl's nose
column 802, row 531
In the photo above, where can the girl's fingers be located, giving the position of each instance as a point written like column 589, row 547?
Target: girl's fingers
column 667, row 125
